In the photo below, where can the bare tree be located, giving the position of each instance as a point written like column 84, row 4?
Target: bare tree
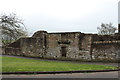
column 11, row 27
column 106, row 29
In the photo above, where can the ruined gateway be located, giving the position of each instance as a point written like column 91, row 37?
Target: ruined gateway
column 67, row 45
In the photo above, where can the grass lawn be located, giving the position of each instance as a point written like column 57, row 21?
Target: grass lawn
column 12, row 64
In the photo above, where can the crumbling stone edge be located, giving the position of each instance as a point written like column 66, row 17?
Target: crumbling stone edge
column 60, row 72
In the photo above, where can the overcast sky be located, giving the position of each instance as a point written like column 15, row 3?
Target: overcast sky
column 63, row 15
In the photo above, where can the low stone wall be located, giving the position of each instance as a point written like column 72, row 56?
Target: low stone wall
column 13, row 51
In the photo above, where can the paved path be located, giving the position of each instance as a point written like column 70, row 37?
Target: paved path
column 113, row 74
column 73, row 75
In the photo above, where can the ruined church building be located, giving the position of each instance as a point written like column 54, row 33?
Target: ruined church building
column 68, row 45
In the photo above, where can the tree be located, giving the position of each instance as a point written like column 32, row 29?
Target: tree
column 11, row 27
column 106, row 29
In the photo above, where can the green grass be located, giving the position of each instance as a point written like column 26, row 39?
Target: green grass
column 12, row 64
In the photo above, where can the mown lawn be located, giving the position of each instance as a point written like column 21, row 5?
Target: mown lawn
column 12, row 64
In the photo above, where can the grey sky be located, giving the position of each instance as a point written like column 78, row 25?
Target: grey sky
column 119, row 12
column 63, row 15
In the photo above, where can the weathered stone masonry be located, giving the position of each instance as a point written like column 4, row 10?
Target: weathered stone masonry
column 70, row 45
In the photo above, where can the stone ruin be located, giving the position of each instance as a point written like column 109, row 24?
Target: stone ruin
column 67, row 45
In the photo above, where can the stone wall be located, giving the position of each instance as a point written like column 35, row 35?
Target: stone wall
column 85, row 46
column 68, row 45
column 13, row 48
column 56, row 41
column 53, row 47
column 13, row 51
column 105, row 37
column 106, row 50
column 29, row 46
column 77, row 45
column 33, row 47
column 15, row 44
